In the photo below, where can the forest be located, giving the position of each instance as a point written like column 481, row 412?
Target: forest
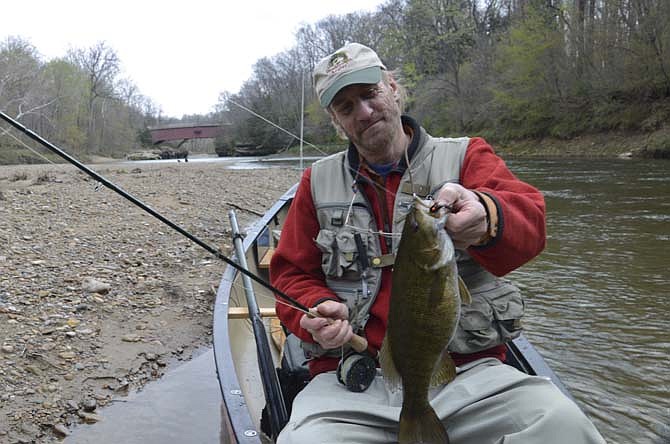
column 508, row 70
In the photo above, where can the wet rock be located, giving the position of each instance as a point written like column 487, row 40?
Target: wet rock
column 61, row 430
column 89, row 418
column 72, row 405
column 89, row 405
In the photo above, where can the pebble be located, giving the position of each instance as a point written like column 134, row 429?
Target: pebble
column 61, row 430
column 72, row 405
column 131, row 338
column 89, row 404
column 89, row 418
column 92, row 285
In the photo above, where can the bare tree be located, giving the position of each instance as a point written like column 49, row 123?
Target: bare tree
column 101, row 65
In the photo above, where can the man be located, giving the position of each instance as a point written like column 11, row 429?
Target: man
column 498, row 224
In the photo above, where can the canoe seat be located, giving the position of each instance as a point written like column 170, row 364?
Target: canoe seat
column 264, row 262
column 243, row 312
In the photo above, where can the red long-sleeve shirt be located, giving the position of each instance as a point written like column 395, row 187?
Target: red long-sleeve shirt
column 296, row 264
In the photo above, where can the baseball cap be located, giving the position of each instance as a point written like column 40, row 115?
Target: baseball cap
column 351, row 64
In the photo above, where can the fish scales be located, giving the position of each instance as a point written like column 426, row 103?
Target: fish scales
column 423, row 315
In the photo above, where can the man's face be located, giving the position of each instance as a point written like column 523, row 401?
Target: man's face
column 368, row 114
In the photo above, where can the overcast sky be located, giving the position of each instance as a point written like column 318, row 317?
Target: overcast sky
column 181, row 54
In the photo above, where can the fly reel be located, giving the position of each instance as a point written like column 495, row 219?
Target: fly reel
column 356, row 371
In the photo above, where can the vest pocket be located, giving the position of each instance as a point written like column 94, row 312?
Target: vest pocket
column 508, row 308
column 493, row 317
column 339, row 258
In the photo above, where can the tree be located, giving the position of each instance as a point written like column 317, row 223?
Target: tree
column 101, row 65
column 20, row 70
column 531, row 69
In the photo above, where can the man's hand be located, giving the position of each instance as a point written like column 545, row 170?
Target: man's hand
column 333, row 329
column 467, row 225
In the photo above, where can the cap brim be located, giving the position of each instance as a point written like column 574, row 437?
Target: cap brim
column 370, row 75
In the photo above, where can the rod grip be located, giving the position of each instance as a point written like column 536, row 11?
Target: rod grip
column 357, row 342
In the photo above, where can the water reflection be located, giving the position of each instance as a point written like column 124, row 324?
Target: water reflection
column 598, row 297
column 183, row 407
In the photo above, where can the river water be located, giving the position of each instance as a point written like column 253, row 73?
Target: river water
column 598, row 298
column 598, row 305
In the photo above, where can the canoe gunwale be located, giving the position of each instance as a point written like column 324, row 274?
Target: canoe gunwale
column 243, row 429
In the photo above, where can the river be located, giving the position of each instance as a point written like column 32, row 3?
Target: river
column 597, row 306
column 598, row 303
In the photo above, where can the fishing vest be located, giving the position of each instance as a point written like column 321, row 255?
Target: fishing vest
column 493, row 316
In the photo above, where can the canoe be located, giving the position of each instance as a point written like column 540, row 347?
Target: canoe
column 235, row 351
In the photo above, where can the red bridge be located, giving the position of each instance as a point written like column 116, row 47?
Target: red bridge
column 184, row 132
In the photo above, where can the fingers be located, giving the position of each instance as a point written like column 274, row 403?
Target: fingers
column 333, row 310
column 453, row 196
column 328, row 333
column 329, row 326
column 467, row 223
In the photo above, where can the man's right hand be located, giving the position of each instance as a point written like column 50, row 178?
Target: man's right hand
column 333, row 329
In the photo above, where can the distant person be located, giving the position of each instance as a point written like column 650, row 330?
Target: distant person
column 186, row 156
column 497, row 225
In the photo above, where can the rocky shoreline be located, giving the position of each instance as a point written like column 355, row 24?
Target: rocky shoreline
column 97, row 298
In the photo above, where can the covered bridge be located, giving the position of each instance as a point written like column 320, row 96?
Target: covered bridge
column 184, row 132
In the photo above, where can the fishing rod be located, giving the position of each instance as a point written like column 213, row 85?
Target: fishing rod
column 358, row 343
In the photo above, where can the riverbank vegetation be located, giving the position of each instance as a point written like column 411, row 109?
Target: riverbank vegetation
column 528, row 75
column 577, row 77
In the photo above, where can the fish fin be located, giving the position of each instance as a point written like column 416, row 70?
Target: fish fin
column 391, row 376
column 445, row 370
column 466, row 298
column 421, row 426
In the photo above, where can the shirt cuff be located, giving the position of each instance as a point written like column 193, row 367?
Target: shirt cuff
column 491, row 218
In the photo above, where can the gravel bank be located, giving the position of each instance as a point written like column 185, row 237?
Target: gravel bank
column 97, row 297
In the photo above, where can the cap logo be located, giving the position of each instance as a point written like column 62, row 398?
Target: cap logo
column 338, row 62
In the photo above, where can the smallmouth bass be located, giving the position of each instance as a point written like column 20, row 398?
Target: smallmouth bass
column 424, row 312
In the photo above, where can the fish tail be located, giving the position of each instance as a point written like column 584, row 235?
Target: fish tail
column 421, row 426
